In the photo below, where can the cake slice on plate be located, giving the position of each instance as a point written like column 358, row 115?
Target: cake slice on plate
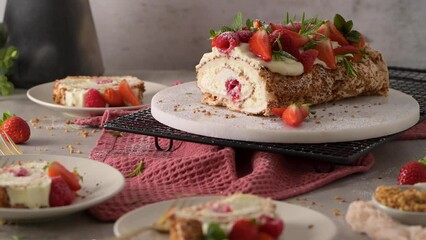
column 232, row 218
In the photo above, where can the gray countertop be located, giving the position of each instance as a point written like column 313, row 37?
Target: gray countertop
column 49, row 137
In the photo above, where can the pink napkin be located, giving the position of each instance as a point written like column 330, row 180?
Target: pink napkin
column 198, row 169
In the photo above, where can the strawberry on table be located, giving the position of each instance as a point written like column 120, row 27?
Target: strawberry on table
column 412, row 172
column 16, row 127
column 57, row 169
column 260, row 46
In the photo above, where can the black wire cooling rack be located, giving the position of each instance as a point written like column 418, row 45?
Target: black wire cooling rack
column 409, row 81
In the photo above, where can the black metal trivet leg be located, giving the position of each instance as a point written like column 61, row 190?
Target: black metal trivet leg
column 323, row 167
column 159, row 148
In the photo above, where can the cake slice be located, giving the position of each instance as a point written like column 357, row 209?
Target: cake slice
column 258, row 67
column 72, row 90
column 37, row 184
column 221, row 217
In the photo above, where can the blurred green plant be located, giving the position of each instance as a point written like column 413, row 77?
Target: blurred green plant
column 8, row 57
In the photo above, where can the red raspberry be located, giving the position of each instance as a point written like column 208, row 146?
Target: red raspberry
column 60, row 193
column 307, row 58
column 94, row 98
column 227, row 41
column 244, row 35
column 233, row 89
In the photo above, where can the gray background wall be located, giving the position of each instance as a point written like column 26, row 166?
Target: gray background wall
column 172, row 34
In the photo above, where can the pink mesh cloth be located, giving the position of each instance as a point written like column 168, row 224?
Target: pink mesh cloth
column 199, row 169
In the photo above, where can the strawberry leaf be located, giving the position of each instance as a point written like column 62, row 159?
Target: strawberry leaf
column 137, row 170
column 423, row 161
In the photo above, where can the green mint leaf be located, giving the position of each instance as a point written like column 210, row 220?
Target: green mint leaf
column 339, row 21
column 353, row 36
column 347, row 27
column 281, row 55
column 215, row 232
column 350, row 70
column 249, row 23
column 226, row 29
column 136, row 171
column 237, row 22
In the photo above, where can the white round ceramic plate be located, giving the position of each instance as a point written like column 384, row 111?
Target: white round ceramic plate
column 351, row 119
column 300, row 222
column 100, row 182
column 43, row 94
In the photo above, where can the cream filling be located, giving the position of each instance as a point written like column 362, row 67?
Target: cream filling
column 212, row 79
column 31, row 190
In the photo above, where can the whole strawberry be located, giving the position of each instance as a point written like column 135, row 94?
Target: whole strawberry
column 16, row 127
column 94, row 98
column 413, row 172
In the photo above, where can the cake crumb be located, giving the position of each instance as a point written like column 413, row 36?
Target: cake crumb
column 337, row 212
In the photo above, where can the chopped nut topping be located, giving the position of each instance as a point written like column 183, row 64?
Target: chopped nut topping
column 410, row 199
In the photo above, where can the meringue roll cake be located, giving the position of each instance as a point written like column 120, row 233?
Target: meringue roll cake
column 258, row 66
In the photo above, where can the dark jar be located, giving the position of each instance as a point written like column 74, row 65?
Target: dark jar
column 54, row 38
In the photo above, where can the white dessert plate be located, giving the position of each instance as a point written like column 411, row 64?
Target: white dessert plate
column 43, row 94
column 100, row 182
column 412, row 218
column 351, row 119
column 300, row 222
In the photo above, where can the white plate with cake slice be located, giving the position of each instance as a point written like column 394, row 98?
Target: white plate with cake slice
column 43, row 94
column 300, row 222
column 99, row 183
column 350, row 119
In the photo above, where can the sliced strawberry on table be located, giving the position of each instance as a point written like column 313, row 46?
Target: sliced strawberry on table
column 307, row 58
column 16, row 127
column 293, row 115
column 305, row 108
column 127, row 93
column 60, row 193
column 329, row 30
column 412, row 172
column 325, row 53
column 57, row 169
column 113, row 98
column 260, row 46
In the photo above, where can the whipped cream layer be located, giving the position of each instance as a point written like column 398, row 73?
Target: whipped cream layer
column 77, row 87
column 226, row 211
column 26, row 184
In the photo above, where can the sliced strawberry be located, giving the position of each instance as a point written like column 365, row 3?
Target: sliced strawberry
column 305, row 108
column 113, row 98
column 57, row 169
column 278, row 111
column 329, row 30
column 260, row 46
column 257, row 24
column 298, row 40
column 94, row 98
column 325, row 53
column 214, row 41
column 127, row 93
column 287, row 44
column 275, row 26
column 345, row 50
column 293, row 115
column 307, row 58
column 349, row 49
